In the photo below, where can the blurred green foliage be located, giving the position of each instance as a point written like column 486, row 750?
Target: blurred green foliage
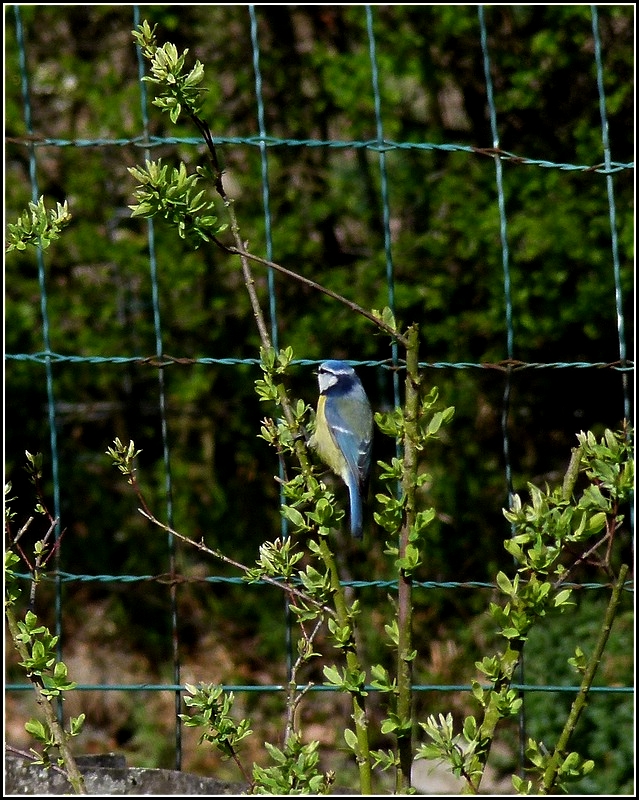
column 326, row 215
column 602, row 734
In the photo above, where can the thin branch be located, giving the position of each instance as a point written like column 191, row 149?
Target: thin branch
column 221, row 557
column 9, row 748
column 611, row 526
column 204, row 129
column 318, row 287
column 294, row 699
column 241, row 768
column 239, row 250
column 572, row 473
column 583, row 557
column 404, row 589
column 580, row 702
column 23, row 529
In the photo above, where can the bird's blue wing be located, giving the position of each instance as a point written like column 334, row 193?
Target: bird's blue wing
column 349, row 420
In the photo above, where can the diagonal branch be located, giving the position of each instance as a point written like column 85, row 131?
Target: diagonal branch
column 580, row 702
column 239, row 250
column 403, row 340
column 217, row 554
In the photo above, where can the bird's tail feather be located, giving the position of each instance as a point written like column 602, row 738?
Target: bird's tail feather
column 356, row 508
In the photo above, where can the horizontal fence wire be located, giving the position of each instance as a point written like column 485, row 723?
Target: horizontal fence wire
column 350, row 144
column 165, row 360
column 72, row 577
column 36, row 144
column 318, row 687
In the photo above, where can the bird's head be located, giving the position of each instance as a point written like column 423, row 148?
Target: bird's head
column 335, row 374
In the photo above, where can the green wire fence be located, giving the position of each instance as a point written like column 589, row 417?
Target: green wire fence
column 29, row 146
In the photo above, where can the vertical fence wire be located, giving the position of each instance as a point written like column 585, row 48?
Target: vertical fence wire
column 384, row 192
column 614, row 243
column 46, row 340
column 268, row 234
column 505, row 255
column 266, row 185
column 503, row 235
column 162, row 396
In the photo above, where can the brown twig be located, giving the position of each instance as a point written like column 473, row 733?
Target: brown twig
column 245, row 256
column 294, row 696
column 221, row 557
column 323, row 289
column 9, row 748
column 584, row 557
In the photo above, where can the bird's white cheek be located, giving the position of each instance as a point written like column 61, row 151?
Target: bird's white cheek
column 326, row 380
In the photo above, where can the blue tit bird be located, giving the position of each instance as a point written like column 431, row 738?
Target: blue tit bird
column 344, row 431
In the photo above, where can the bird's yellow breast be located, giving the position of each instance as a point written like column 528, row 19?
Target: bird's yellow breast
column 323, row 441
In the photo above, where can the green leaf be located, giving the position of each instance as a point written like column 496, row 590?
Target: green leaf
column 597, row 522
column 332, row 676
column 275, row 753
column 562, row 597
column 295, row 517
column 470, row 728
column 504, row 583
column 36, row 729
column 351, row 740
column 76, row 724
